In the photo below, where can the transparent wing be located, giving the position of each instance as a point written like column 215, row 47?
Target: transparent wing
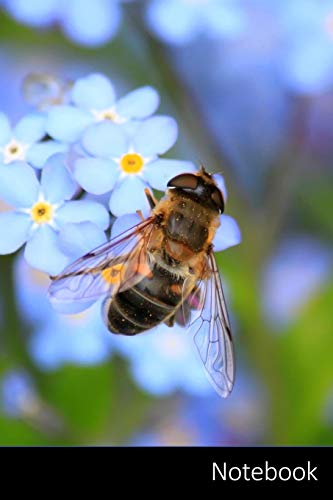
column 211, row 329
column 115, row 265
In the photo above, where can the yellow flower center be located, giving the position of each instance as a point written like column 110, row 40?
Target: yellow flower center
column 42, row 212
column 132, row 163
column 113, row 275
column 109, row 115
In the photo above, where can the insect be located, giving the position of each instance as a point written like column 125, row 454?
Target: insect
column 162, row 270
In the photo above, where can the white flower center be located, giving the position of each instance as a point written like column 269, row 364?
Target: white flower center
column 107, row 114
column 14, row 151
column 173, row 346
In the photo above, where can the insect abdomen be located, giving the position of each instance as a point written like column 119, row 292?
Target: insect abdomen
column 146, row 304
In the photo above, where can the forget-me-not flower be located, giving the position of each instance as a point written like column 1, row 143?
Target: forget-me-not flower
column 307, row 56
column 295, row 272
column 75, row 239
column 41, row 210
column 163, row 361
column 93, row 99
column 24, row 141
column 81, row 339
column 126, row 163
column 192, row 422
column 18, row 394
column 181, row 21
column 61, row 339
column 86, row 22
column 19, row 398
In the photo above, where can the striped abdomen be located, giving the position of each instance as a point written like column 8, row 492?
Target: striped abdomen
column 146, row 304
column 182, row 235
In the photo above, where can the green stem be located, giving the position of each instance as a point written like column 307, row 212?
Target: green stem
column 14, row 333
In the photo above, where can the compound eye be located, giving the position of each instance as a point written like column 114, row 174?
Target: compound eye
column 184, row 181
column 218, row 199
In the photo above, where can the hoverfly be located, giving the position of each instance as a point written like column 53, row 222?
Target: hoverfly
column 162, row 270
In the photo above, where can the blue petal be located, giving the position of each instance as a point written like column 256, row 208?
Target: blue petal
column 5, row 130
column 224, row 19
column 34, row 12
column 14, row 230
column 129, row 196
column 140, row 103
column 123, row 223
column 31, row 287
column 162, row 383
column 173, row 21
column 38, row 153
column 19, row 186
column 296, row 271
column 42, row 251
column 83, row 210
column 31, row 128
column 228, row 234
column 94, row 92
column 96, row 175
column 66, row 123
column 219, row 179
column 162, row 129
column 130, row 127
column 57, row 182
column 168, row 353
column 91, row 23
column 78, row 239
column 105, row 139
column 79, row 339
column 17, row 393
column 159, row 172
column 308, row 67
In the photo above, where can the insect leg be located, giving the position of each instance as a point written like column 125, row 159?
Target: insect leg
column 140, row 214
column 151, row 199
column 170, row 321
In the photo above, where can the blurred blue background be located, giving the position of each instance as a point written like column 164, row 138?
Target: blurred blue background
column 250, row 83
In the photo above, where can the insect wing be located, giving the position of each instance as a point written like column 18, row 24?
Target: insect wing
column 211, row 330
column 115, row 265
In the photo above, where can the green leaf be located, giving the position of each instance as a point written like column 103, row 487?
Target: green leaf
column 305, row 351
column 82, row 396
column 15, row 432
